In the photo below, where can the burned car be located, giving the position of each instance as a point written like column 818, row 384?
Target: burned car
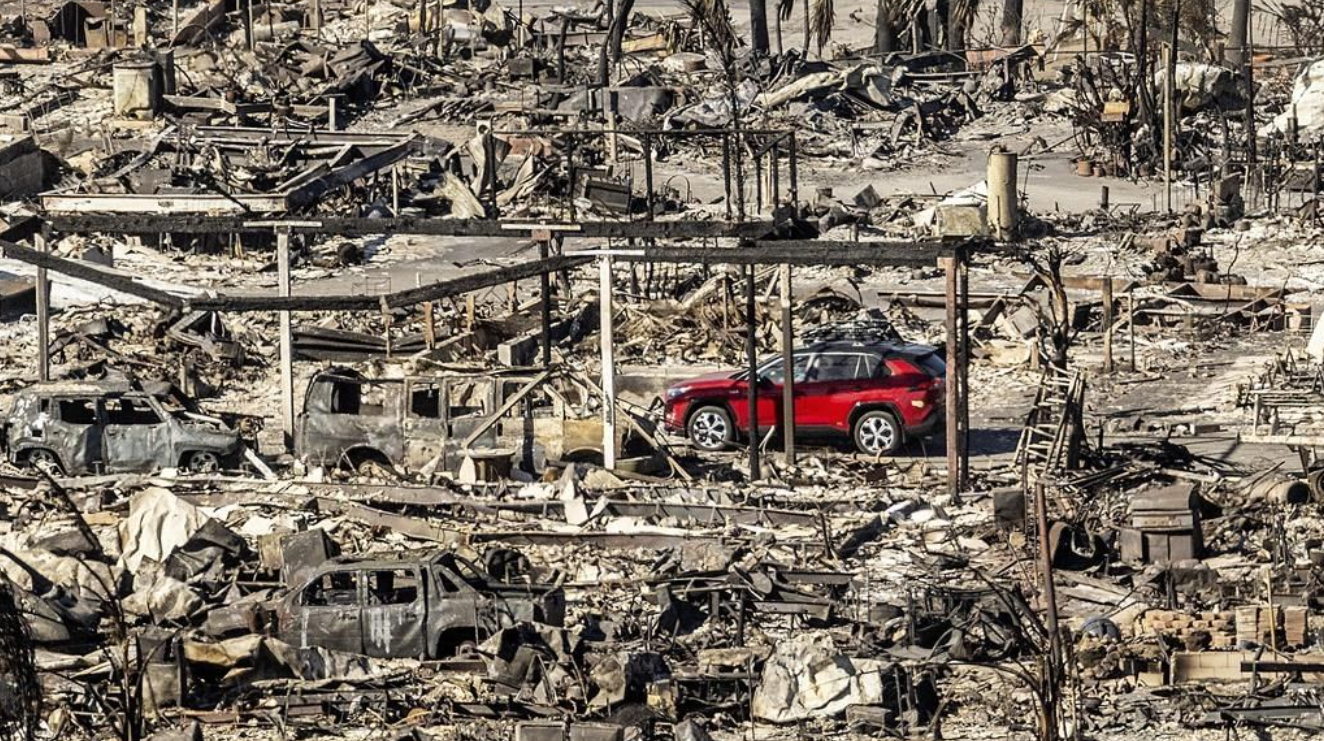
column 417, row 421
column 433, row 607
column 106, row 427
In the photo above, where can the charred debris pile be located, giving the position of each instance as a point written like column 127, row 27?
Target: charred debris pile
column 468, row 370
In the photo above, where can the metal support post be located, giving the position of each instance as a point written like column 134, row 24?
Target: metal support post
column 1108, row 318
column 953, row 384
column 608, row 363
column 545, row 308
column 752, row 360
column 286, row 341
column 43, row 314
column 788, row 367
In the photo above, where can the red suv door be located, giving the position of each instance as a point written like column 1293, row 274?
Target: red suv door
column 770, row 393
column 833, row 386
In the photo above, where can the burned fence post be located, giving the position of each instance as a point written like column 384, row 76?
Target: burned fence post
column 608, row 363
column 43, row 298
column 788, row 367
column 752, row 361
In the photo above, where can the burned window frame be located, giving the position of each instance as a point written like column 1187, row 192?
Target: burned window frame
column 354, row 575
column 146, row 401
column 59, row 403
column 369, row 594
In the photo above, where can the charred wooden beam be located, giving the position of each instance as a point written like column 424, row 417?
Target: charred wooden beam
column 431, row 292
column 799, row 252
column 184, row 223
column 410, row 297
column 84, row 271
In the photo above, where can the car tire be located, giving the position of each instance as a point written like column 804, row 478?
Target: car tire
column 202, row 461
column 877, row 433
column 710, row 428
column 42, row 459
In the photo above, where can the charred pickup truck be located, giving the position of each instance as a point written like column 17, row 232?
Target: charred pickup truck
column 397, row 607
column 94, row 427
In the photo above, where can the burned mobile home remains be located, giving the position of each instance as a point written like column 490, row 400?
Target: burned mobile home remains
column 602, row 371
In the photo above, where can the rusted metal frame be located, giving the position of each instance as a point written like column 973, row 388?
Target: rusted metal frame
column 148, row 223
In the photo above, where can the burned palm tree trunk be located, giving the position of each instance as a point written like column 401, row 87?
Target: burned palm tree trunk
column 884, row 34
column 758, row 26
column 620, row 21
column 1012, row 10
column 1238, row 36
column 20, row 694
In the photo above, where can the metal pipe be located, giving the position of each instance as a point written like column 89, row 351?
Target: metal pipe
column 752, row 360
column 788, row 367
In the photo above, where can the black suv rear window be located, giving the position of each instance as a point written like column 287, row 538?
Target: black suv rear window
column 932, row 364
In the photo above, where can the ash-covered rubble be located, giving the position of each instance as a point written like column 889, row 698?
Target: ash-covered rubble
column 481, row 370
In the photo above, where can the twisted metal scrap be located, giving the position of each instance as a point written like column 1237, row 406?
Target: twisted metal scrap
column 20, row 693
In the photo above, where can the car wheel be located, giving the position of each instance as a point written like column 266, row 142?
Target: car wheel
column 44, row 460
column 710, row 428
column 203, row 461
column 877, row 433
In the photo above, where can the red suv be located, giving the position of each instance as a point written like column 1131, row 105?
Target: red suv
column 878, row 394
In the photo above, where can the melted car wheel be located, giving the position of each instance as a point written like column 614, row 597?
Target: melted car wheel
column 877, row 433
column 204, row 461
column 710, row 428
column 44, row 460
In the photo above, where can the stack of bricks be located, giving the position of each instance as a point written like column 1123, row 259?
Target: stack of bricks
column 1187, row 628
column 1255, row 623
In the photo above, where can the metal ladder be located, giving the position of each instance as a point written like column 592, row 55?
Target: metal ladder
column 1044, row 439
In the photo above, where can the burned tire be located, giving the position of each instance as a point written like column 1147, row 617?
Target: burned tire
column 877, row 433
column 202, row 461
column 710, row 428
column 45, row 460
